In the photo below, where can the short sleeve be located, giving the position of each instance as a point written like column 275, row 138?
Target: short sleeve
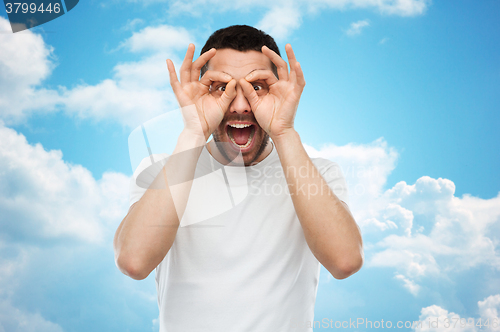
column 144, row 175
column 136, row 191
column 334, row 177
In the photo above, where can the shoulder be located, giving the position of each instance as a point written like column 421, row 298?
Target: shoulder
column 150, row 160
column 149, row 168
column 333, row 175
column 144, row 175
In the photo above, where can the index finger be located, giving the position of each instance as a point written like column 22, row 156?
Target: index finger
column 176, row 86
column 291, row 57
column 296, row 73
column 185, row 72
column 278, row 62
column 200, row 62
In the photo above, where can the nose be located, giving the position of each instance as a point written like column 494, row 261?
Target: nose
column 240, row 103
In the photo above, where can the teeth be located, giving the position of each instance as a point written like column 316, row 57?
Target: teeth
column 247, row 144
column 242, row 146
column 239, row 125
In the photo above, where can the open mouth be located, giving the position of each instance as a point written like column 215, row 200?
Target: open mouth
column 241, row 134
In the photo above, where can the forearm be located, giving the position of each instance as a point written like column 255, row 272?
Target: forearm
column 147, row 232
column 329, row 228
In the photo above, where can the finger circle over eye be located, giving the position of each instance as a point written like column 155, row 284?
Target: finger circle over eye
column 214, row 76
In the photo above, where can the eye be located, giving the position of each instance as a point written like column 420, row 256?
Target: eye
column 218, row 88
column 257, row 87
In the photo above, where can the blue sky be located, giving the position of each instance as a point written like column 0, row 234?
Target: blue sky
column 403, row 94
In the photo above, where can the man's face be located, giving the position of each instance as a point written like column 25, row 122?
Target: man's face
column 239, row 130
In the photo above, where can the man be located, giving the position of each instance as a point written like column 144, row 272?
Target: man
column 254, row 267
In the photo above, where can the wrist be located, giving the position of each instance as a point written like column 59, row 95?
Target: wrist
column 285, row 137
column 190, row 139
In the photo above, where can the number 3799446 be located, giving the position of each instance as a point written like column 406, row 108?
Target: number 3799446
column 25, row 7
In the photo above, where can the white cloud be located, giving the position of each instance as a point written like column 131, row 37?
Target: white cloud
column 421, row 230
column 44, row 199
column 56, row 228
column 408, row 284
column 138, row 91
column 279, row 22
column 436, row 319
column 356, row 27
column 132, row 24
column 403, row 217
column 444, row 233
column 389, row 7
column 118, row 101
column 25, row 61
column 401, row 7
column 489, row 310
column 375, row 224
column 366, row 168
column 383, row 41
column 163, row 38
column 283, row 17
column 13, row 319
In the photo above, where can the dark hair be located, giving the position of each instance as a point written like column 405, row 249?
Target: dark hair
column 240, row 38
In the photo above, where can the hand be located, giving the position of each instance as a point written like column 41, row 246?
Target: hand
column 202, row 111
column 275, row 110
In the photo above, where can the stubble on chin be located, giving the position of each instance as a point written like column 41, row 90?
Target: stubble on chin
column 221, row 146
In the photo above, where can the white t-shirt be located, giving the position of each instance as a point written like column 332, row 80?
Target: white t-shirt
column 245, row 264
